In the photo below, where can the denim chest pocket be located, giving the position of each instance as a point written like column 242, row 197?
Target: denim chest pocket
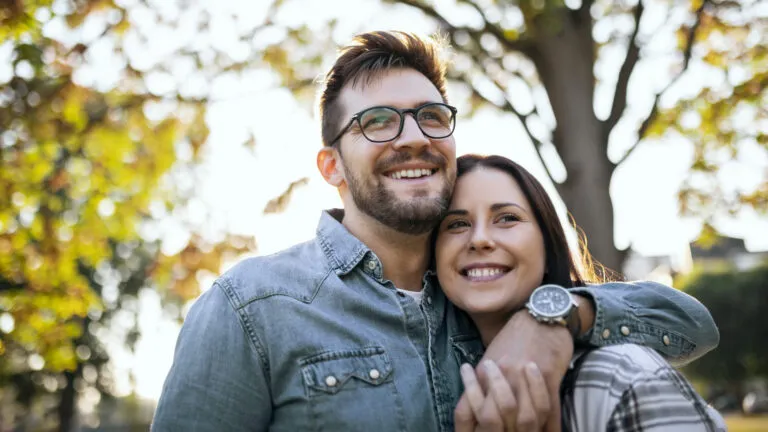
column 352, row 390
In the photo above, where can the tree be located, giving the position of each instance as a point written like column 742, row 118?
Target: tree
column 87, row 170
column 555, row 48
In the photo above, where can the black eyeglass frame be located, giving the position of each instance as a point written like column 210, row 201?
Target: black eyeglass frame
column 402, row 112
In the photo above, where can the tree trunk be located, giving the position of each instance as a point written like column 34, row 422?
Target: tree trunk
column 564, row 59
column 68, row 399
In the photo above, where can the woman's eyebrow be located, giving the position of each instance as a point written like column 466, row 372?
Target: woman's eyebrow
column 499, row 206
column 460, row 212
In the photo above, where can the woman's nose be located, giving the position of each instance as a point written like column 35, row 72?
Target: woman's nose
column 481, row 240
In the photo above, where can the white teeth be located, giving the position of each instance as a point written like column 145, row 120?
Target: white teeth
column 410, row 173
column 483, row 272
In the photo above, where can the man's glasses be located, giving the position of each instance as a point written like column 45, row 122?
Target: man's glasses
column 382, row 123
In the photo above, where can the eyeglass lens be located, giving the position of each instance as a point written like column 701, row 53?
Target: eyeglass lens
column 383, row 124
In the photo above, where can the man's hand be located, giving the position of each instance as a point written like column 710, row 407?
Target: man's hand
column 524, row 340
column 491, row 405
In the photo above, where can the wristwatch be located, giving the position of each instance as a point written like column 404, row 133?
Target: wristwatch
column 553, row 304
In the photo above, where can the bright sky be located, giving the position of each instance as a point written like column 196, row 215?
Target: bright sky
column 237, row 182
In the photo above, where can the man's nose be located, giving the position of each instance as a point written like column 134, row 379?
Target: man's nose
column 411, row 137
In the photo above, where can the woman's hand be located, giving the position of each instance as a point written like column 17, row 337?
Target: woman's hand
column 524, row 340
column 492, row 406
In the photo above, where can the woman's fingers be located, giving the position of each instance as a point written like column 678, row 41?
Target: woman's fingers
column 472, row 390
column 527, row 418
column 539, row 394
column 463, row 417
column 502, row 395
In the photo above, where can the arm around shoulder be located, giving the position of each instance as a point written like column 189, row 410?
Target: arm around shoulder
column 651, row 314
column 218, row 378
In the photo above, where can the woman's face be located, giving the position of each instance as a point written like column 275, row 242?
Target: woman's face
column 490, row 250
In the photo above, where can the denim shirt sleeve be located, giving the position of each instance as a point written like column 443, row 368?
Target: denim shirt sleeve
column 217, row 381
column 647, row 313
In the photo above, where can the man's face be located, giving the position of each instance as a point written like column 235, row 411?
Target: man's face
column 405, row 183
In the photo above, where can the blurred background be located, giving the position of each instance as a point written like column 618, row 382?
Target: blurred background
column 148, row 145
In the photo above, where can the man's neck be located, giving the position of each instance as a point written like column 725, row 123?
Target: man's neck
column 404, row 257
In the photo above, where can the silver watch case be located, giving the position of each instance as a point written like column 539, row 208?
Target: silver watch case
column 551, row 304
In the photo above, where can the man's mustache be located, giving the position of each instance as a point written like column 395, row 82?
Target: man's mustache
column 404, row 157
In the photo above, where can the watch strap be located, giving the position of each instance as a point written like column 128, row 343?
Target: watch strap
column 573, row 321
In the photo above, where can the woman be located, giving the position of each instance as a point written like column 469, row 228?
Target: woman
column 501, row 240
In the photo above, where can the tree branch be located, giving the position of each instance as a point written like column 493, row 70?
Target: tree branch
column 507, row 106
column 510, row 45
column 586, row 5
column 620, row 96
column 687, row 52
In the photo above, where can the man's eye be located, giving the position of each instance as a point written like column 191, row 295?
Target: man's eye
column 378, row 122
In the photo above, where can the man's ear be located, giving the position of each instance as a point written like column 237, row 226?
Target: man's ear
column 330, row 165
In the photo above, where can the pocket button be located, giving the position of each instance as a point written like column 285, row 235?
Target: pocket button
column 374, row 374
column 331, row 381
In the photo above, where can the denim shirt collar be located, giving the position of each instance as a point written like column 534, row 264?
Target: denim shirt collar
column 343, row 250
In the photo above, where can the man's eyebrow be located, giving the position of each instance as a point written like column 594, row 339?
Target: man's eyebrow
column 424, row 102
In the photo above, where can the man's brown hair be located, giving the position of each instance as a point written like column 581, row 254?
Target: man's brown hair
column 370, row 54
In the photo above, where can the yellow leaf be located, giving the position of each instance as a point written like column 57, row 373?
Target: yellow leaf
column 73, row 111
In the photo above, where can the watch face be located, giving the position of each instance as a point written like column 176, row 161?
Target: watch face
column 551, row 301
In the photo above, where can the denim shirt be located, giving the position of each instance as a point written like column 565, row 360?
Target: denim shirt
column 314, row 338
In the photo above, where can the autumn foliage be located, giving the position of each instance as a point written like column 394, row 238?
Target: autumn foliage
column 83, row 172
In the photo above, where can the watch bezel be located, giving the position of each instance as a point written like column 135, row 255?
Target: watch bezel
column 559, row 314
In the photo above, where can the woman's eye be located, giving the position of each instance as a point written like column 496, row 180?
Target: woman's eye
column 456, row 224
column 508, row 218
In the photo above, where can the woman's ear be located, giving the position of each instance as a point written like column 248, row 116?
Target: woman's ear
column 330, row 166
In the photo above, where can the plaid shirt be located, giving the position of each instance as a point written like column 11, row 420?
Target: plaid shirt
column 631, row 388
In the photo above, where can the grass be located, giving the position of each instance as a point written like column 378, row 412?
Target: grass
column 737, row 423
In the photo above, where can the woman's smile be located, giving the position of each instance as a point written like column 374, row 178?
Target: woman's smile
column 484, row 272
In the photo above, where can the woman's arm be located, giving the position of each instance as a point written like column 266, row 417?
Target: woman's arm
column 631, row 388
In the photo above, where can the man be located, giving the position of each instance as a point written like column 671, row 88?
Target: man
column 349, row 331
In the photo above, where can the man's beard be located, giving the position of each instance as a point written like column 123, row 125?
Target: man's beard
column 415, row 216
